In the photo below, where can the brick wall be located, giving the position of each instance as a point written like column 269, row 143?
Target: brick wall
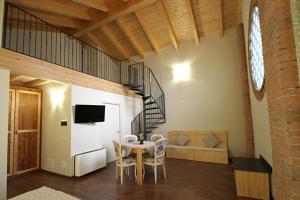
column 283, row 95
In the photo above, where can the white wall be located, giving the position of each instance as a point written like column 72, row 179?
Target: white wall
column 212, row 98
column 61, row 143
column 87, row 137
column 56, row 144
column 4, row 93
column 259, row 109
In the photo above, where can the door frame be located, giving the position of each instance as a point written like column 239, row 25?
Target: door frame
column 119, row 105
column 12, row 131
column 16, row 131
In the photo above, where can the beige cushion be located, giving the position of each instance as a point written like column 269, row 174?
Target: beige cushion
column 211, row 140
column 197, row 148
column 127, row 161
column 150, row 160
column 181, row 140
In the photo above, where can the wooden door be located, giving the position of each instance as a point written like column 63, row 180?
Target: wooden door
column 11, row 123
column 27, row 131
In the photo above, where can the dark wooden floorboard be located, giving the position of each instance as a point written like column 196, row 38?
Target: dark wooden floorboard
column 186, row 180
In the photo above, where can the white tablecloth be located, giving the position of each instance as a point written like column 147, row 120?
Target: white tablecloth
column 127, row 147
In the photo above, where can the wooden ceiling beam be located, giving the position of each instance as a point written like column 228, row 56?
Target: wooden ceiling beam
column 57, row 20
column 140, row 16
column 111, row 35
column 124, row 27
column 96, row 4
column 194, row 26
column 15, row 77
column 164, row 14
column 55, row 7
column 36, row 82
column 93, row 37
column 220, row 16
column 113, row 14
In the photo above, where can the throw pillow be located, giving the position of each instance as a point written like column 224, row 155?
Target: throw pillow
column 211, row 140
column 181, row 140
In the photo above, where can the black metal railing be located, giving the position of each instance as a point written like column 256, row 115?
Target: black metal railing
column 140, row 76
column 27, row 34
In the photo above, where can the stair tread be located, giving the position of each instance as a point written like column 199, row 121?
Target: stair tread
column 136, row 89
column 155, row 118
column 146, row 97
column 139, row 93
column 154, row 122
column 153, row 113
column 150, row 103
column 152, row 127
column 136, row 86
column 152, row 108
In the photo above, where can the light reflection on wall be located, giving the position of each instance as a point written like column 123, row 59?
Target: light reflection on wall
column 181, row 72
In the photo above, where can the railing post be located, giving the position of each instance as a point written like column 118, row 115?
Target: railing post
column 129, row 76
column 4, row 24
column 81, row 57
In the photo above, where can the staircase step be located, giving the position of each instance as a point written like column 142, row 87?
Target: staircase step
column 149, row 103
column 155, row 118
column 157, row 122
column 136, row 89
column 136, row 86
column 152, row 108
column 153, row 113
column 153, row 127
column 146, row 97
column 140, row 93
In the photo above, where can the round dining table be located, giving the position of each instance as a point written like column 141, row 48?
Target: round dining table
column 139, row 150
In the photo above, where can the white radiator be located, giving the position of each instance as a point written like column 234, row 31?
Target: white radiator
column 85, row 163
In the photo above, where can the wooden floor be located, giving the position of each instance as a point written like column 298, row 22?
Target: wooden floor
column 187, row 180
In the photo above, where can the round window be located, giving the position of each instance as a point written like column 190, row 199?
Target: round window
column 256, row 52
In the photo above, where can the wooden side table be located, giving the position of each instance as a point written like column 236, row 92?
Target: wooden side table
column 252, row 177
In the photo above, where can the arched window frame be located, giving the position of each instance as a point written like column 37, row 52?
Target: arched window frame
column 258, row 92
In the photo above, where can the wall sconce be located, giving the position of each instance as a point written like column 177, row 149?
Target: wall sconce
column 57, row 96
column 181, row 72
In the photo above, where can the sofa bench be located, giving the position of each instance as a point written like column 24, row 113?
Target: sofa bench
column 196, row 149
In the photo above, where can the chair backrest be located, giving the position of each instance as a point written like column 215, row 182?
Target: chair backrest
column 130, row 138
column 160, row 148
column 118, row 151
column 156, row 137
column 196, row 137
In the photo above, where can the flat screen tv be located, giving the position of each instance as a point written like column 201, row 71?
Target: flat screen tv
column 89, row 113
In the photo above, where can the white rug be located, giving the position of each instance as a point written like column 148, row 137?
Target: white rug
column 44, row 193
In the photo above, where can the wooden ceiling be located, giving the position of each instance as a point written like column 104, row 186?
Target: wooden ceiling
column 127, row 28
column 27, row 81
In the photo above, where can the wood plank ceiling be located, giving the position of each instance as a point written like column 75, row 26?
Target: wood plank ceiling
column 127, row 28
column 27, row 81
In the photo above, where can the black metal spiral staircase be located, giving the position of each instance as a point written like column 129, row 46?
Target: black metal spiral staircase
column 142, row 80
